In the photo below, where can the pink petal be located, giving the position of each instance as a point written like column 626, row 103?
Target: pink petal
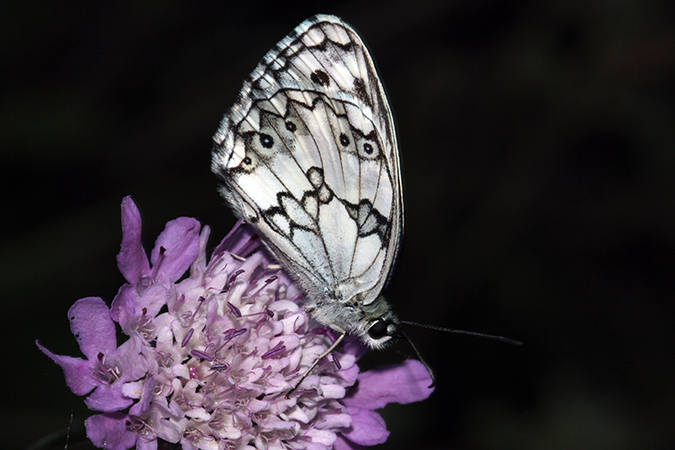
column 146, row 397
column 343, row 444
column 109, row 431
column 93, row 327
column 127, row 306
column 180, row 241
column 132, row 260
column 123, row 309
column 394, row 383
column 142, row 444
column 130, row 354
column 240, row 240
column 108, row 399
column 368, row 427
column 354, row 346
column 77, row 371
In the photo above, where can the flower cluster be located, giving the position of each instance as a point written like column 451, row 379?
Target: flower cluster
column 212, row 359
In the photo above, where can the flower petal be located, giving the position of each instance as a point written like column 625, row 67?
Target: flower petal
column 142, row 444
column 132, row 362
column 123, row 307
column 128, row 306
column 176, row 248
column 352, row 346
column 132, row 260
column 343, row 444
column 323, row 437
column 77, row 371
column 110, row 431
column 394, row 383
column 108, row 399
column 368, row 427
column 237, row 239
column 146, row 397
column 92, row 326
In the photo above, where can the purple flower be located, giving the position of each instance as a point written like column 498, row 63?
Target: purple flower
column 211, row 359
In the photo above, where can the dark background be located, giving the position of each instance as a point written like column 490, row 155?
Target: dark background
column 538, row 149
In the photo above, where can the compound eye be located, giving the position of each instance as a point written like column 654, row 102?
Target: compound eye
column 378, row 330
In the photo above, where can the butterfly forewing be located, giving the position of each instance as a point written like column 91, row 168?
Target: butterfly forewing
column 308, row 156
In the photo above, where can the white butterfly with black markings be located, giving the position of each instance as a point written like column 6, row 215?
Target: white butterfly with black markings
column 308, row 156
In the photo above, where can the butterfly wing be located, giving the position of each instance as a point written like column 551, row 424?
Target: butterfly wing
column 308, row 155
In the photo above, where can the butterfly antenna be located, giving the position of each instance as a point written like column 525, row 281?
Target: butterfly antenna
column 463, row 332
column 419, row 356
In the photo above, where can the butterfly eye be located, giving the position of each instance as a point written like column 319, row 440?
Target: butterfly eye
column 378, row 330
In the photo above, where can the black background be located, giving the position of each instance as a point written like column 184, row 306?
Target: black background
column 538, row 145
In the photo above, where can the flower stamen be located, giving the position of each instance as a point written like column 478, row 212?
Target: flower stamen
column 235, row 311
column 278, row 350
column 187, row 337
column 201, row 355
column 107, row 374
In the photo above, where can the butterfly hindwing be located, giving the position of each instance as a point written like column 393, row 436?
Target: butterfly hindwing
column 308, row 155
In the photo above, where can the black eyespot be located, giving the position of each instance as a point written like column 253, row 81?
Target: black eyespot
column 320, row 77
column 378, row 330
column 246, row 160
column 266, row 140
column 368, row 148
column 344, row 140
column 290, row 126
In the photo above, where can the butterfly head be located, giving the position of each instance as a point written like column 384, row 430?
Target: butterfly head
column 379, row 325
column 383, row 327
column 373, row 322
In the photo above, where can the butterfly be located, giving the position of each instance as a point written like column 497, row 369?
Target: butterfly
column 308, row 156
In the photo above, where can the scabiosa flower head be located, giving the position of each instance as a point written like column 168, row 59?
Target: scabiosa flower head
column 211, row 360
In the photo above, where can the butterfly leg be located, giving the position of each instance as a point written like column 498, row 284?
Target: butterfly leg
column 335, row 328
